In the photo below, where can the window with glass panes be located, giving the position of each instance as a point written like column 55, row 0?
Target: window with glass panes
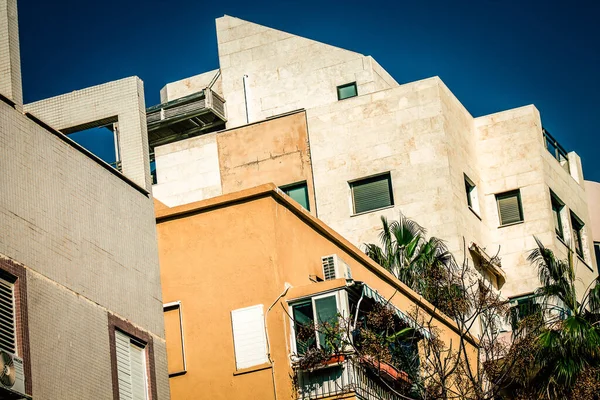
column 557, row 208
column 577, row 227
column 298, row 192
column 312, row 317
column 346, row 91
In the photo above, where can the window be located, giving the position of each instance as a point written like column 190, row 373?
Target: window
column 346, row 91
column 249, row 338
column 509, row 207
column 597, row 251
column 471, row 191
column 311, row 318
column 557, row 209
column 577, row 226
column 298, row 192
column 523, row 307
column 7, row 317
column 131, row 367
column 174, row 336
column 372, row 193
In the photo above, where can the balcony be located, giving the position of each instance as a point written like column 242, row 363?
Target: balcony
column 557, row 151
column 347, row 377
column 186, row 117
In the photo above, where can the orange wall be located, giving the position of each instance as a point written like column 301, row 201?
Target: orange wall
column 230, row 256
column 275, row 150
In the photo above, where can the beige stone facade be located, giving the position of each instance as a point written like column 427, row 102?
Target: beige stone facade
column 78, row 245
column 418, row 132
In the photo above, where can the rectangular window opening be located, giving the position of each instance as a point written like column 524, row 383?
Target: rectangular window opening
column 346, row 91
column 312, row 319
column 510, row 210
column 298, row 192
column 597, row 252
column 131, row 367
column 176, row 360
column 372, row 193
column 557, row 210
column 472, row 198
column 577, row 226
column 523, row 307
column 102, row 141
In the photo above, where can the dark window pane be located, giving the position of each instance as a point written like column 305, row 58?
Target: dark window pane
column 304, row 328
column 372, row 193
column 347, row 91
column 299, row 193
column 597, row 251
column 556, row 211
column 326, row 317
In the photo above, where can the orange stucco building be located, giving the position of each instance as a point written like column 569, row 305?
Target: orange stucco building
column 232, row 269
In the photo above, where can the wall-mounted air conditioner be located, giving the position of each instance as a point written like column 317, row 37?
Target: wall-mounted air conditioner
column 334, row 268
column 12, row 376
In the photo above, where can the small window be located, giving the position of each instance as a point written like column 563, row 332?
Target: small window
column 597, row 251
column 509, row 207
column 174, row 335
column 372, row 193
column 346, row 91
column 577, row 226
column 249, row 340
column 523, row 307
column 131, row 367
column 472, row 199
column 7, row 317
column 311, row 318
column 557, row 210
column 298, row 192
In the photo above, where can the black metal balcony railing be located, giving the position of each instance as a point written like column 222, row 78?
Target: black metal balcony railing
column 346, row 377
column 556, row 150
column 185, row 117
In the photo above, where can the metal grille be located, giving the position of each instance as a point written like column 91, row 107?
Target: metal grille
column 7, row 317
column 328, row 268
column 372, row 193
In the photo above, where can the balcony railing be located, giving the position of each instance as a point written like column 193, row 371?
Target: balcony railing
column 346, row 377
column 185, row 117
column 556, row 150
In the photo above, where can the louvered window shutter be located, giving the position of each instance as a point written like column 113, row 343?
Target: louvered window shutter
column 249, row 339
column 7, row 317
column 131, row 369
column 509, row 208
column 372, row 193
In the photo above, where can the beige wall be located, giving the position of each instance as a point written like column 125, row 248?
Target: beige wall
column 227, row 270
column 275, row 150
column 193, row 84
column 87, row 241
column 10, row 59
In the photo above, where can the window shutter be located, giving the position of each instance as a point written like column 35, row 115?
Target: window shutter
column 509, row 208
column 123, row 366
column 249, row 339
column 7, row 317
column 131, row 368
column 372, row 193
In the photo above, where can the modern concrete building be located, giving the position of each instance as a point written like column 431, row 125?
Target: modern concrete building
column 593, row 198
column 235, row 269
column 80, row 298
column 369, row 147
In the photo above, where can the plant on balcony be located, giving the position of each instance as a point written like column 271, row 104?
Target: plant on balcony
column 425, row 265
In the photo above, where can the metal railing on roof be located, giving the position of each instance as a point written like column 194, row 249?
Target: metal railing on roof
column 559, row 153
column 185, row 117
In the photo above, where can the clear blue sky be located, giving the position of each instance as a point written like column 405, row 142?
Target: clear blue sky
column 494, row 55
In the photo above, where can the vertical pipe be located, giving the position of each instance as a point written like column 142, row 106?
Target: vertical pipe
column 245, row 79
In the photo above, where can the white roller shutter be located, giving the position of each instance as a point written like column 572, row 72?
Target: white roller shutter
column 131, row 369
column 249, row 338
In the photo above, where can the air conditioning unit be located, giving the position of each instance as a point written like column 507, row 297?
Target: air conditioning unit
column 334, row 268
column 11, row 373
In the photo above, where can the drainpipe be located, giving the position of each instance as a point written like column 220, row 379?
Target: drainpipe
column 245, row 80
column 287, row 287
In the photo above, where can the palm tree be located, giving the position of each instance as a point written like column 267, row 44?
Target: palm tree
column 422, row 264
column 569, row 343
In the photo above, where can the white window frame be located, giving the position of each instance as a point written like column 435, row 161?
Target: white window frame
column 342, row 307
column 176, row 305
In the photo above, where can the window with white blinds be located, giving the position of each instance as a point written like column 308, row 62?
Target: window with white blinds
column 131, row 368
column 249, row 339
column 509, row 207
column 372, row 193
column 7, row 317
